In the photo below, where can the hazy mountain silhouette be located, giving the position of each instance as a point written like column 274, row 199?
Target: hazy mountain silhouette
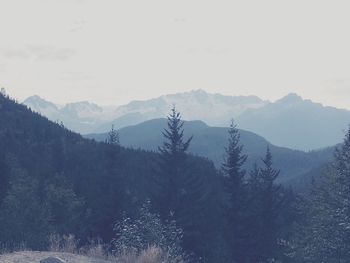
column 290, row 122
column 85, row 117
column 210, row 142
column 296, row 123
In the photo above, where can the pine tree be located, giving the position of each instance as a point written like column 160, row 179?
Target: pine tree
column 232, row 166
column 112, row 187
column 182, row 191
column 271, row 200
column 175, row 144
column 235, row 189
column 173, row 164
column 254, row 180
column 253, row 213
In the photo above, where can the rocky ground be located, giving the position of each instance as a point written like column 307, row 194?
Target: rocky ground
column 35, row 257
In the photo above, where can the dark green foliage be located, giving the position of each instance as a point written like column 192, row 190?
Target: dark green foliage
column 33, row 209
column 172, row 166
column 255, row 206
column 235, row 159
column 81, row 185
column 183, row 184
column 24, row 216
column 323, row 233
column 78, row 186
column 266, row 208
column 236, row 195
column 271, row 201
column 53, row 181
column 113, row 185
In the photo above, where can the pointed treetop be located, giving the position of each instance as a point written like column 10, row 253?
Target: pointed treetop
column 174, row 135
column 235, row 158
column 268, row 172
column 268, row 157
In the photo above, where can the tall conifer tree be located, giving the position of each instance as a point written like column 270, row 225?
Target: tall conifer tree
column 182, row 193
column 271, row 199
column 112, row 189
column 264, row 209
column 173, row 164
column 235, row 189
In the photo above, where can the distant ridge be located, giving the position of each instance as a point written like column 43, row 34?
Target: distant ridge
column 297, row 123
column 82, row 117
column 210, row 142
column 290, row 121
column 85, row 117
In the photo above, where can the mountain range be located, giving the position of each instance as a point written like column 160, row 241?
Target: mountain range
column 82, row 117
column 85, row 117
column 289, row 122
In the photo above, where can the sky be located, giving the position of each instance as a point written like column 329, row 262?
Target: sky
column 113, row 51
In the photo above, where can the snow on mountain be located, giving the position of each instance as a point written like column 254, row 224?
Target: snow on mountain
column 290, row 121
column 86, row 117
column 44, row 107
column 83, row 109
column 214, row 109
column 81, row 117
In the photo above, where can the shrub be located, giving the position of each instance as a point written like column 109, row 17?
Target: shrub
column 148, row 235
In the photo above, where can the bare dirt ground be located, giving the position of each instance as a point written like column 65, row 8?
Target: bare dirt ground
column 35, row 257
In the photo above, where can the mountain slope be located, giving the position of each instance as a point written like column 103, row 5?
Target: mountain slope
column 82, row 117
column 210, row 142
column 55, row 181
column 44, row 107
column 296, row 123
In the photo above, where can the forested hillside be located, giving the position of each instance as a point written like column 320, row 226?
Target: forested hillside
column 210, row 142
column 54, row 182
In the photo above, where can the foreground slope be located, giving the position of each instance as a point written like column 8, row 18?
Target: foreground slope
column 40, row 159
column 35, row 257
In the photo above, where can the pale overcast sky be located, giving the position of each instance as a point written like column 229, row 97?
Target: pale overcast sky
column 112, row 51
